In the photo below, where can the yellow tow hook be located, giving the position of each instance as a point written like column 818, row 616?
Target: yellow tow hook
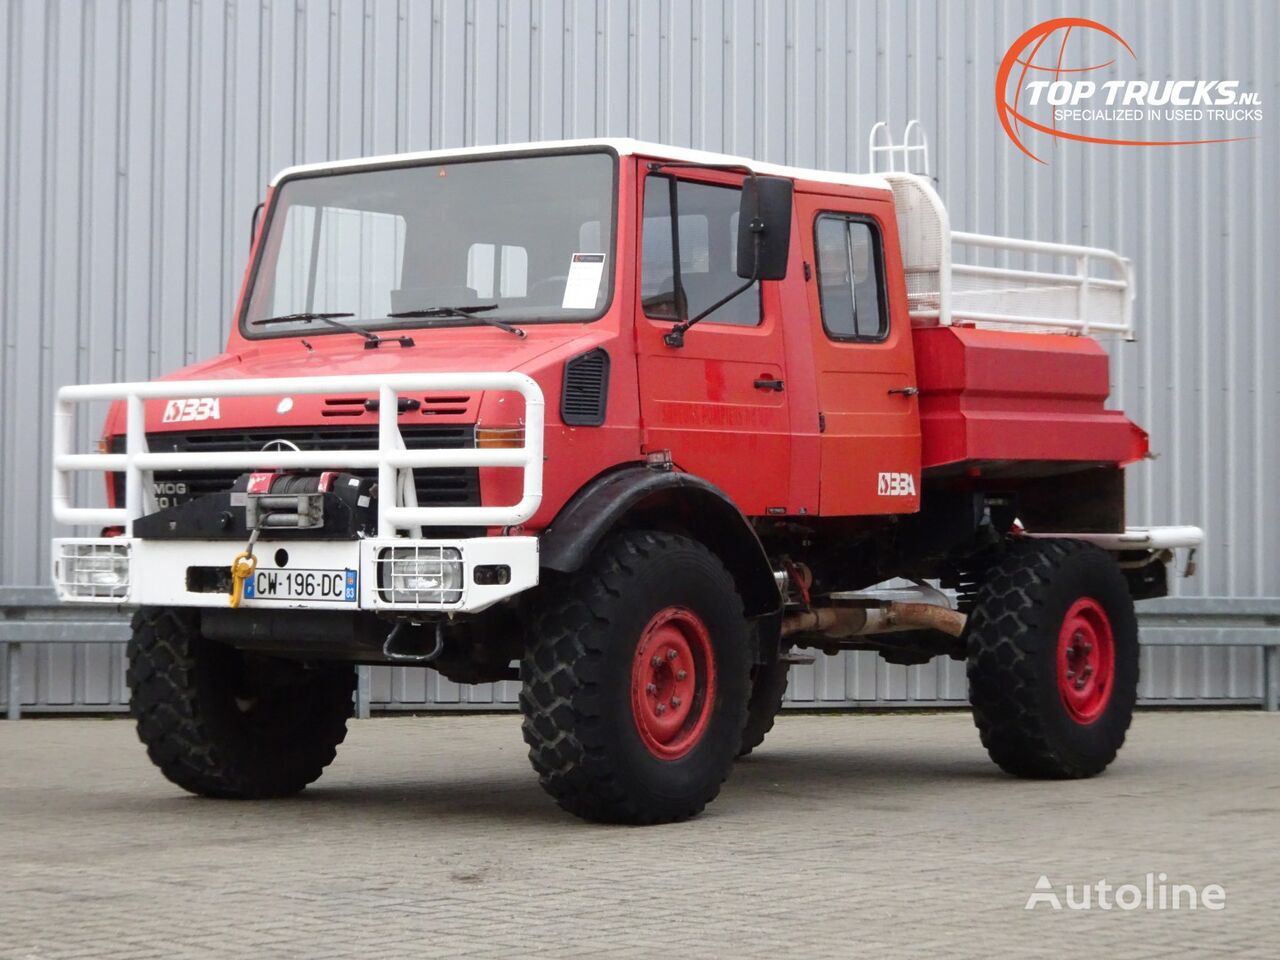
column 242, row 568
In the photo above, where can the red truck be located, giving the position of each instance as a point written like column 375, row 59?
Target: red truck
column 629, row 423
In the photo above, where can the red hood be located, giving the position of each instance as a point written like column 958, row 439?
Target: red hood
column 468, row 349
column 481, row 349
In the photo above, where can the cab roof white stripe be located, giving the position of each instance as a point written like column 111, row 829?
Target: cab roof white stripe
column 622, row 146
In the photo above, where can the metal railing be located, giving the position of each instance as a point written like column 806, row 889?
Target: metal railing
column 389, row 459
column 914, row 145
column 943, row 287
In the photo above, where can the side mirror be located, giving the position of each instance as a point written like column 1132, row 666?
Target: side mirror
column 764, row 228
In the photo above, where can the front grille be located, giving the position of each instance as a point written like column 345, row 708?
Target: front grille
column 437, row 487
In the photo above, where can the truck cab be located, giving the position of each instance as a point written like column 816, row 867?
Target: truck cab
column 644, row 420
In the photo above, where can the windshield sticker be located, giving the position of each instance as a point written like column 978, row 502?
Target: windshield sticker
column 581, row 289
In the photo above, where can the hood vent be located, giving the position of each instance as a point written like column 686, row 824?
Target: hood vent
column 586, row 389
column 437, row 406
column 343, row 407
column 442, row 406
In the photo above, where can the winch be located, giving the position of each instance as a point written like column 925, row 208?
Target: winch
column 330, row 505
column 287, row 500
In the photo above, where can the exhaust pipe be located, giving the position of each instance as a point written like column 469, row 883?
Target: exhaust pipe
column 840, row 622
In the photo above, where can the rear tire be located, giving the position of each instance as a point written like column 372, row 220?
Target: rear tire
column 222, row 723
column 1053, row 659
column 636, row 681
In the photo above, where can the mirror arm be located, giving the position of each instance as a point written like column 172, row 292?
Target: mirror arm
column 675, row 336
column 677, row 282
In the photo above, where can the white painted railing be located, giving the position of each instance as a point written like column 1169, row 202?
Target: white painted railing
column 1095, row 295
column 389, row 459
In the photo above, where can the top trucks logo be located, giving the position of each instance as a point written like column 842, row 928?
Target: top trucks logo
column 1126, row 106
column 192, row 408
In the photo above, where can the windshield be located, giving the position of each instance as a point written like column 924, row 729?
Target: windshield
column 524, row 239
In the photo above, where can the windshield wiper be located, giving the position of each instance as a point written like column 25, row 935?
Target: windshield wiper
column 467, row 312
column 371, row 339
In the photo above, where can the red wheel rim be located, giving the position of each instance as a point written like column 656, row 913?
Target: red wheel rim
column 1086, row 660
column 673, row 682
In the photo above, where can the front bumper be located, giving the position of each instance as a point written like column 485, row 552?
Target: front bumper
column 380, row 574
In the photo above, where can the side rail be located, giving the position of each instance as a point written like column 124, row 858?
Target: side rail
column 1095, row 297
column 391, row 457
column 1092, row 293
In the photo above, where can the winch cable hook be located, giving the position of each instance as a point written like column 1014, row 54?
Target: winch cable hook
column 243, row 566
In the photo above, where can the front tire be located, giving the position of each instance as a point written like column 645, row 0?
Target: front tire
column 768, row 687
column 222, row 723
column 636, row 681
column 1053, row 659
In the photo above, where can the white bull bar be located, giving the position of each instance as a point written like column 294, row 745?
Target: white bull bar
column 390, row 457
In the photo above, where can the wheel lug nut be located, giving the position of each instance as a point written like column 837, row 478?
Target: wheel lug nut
column 1071, row 674
column 656, row 662
column 651, row 688
column 662, row 708
column 680, row 674
column 675, row 701
column 671, row 654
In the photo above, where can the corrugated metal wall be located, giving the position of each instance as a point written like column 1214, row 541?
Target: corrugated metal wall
column 138, row 137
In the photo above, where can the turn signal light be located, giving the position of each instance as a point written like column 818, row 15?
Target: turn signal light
column 493, row 438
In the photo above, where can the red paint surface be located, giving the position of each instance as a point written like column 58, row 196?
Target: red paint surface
column 868, row 430
column 984, row 395
column 992, row 395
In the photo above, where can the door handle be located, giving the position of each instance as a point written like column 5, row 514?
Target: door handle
column 905, row 391
column 767, row 384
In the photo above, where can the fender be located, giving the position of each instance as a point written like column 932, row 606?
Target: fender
column 641, row 496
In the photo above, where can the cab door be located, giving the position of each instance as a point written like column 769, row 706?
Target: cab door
column 862, row 358
column 718, row 403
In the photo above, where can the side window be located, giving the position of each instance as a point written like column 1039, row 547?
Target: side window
column 707, row 217
column 850, row 278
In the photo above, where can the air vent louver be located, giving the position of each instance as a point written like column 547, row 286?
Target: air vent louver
column 586, row 389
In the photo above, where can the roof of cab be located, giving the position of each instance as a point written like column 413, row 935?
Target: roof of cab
column 622, row 146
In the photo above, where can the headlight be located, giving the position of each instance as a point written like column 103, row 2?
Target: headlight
column 92, row 571
column 426, row 576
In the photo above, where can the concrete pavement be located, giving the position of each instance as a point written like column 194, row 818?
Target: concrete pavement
column 878, row 834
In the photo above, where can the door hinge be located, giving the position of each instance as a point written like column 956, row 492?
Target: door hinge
column 822, row 422
column 808, row 272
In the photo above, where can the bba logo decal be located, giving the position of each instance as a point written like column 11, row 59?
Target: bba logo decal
column 896, row 485
column 193, row 408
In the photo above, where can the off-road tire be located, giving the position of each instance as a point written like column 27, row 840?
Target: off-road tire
column 579, row 721
column 1012, row 639
column 221, row 723
column 768, row 687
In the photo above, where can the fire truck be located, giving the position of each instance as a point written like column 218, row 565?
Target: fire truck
column 639, row 427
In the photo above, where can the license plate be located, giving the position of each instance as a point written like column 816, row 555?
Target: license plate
column 281, row 584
